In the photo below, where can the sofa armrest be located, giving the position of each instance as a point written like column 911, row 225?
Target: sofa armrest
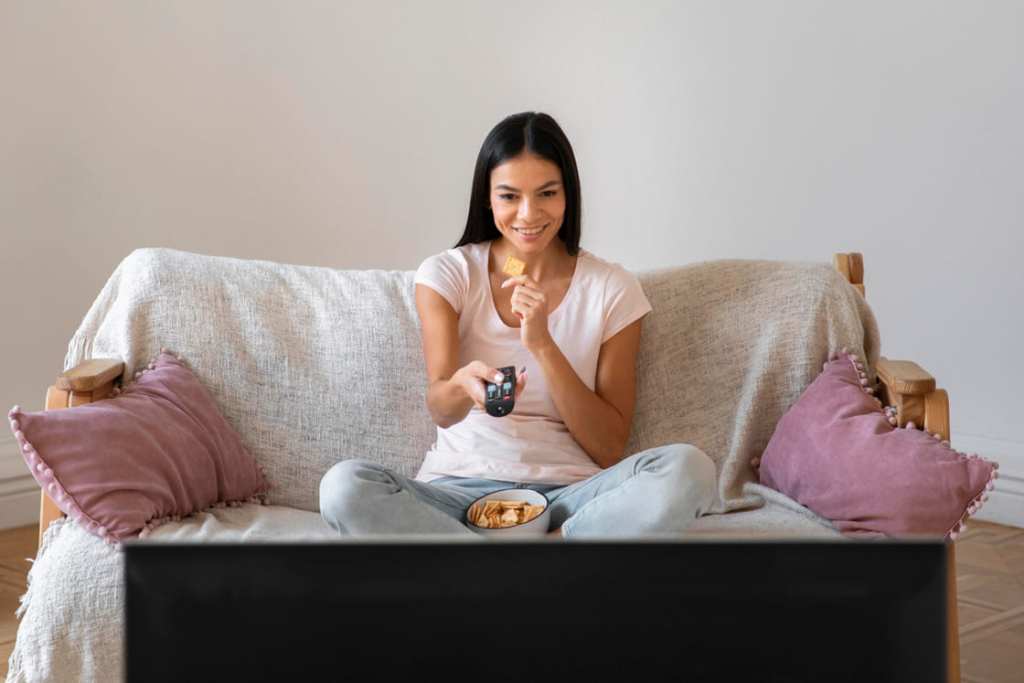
column 904, row 384
column 90, row 375
column 911, row 390
column 905, row 377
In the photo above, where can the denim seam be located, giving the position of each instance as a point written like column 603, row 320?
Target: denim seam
column 432, row 500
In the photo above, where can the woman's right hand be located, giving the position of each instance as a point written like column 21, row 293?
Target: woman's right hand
column 470, row 378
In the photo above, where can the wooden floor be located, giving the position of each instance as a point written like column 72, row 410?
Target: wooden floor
column 15, row 546
column 990, row 583
column 990, row 596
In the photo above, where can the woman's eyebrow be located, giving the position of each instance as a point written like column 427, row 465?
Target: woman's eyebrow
column 515, row 189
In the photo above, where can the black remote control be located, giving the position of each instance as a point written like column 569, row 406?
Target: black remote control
column 499, row 399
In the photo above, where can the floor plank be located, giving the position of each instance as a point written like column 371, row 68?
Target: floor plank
column 15, row 546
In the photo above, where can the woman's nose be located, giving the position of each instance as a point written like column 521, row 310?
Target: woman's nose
column 525, row 208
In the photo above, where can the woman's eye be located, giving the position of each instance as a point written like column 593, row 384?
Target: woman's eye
column 509, row 197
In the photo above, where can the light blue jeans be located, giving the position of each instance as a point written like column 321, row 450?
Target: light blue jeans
column 659, row 491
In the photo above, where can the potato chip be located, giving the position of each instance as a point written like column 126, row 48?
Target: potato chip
column 513, row 266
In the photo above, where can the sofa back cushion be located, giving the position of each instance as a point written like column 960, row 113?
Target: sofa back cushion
column 310, row 364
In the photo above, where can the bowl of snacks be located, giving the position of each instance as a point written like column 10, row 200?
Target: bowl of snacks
column 510, row 512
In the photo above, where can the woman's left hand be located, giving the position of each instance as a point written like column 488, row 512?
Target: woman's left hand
column 531, row 305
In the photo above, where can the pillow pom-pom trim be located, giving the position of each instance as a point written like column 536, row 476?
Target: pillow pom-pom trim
column 891, row 412
column 147, row 367
column 156, row 522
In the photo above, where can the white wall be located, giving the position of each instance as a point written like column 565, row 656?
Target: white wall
column 344, row 134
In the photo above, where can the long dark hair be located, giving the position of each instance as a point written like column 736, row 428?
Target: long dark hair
column 541, row 135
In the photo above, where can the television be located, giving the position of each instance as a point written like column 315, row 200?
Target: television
column 395, row 608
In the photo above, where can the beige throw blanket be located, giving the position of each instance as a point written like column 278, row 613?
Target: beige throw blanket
column 306, row 362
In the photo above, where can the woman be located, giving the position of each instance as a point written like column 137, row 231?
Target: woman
column 571, row 321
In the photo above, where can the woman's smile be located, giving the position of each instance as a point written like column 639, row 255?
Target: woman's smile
column 532, row 233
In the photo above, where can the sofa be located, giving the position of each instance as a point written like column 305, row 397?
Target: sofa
column 310, row 364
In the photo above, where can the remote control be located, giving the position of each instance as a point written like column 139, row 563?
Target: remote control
column 499, row 399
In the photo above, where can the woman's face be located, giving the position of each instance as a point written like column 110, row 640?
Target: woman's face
column 526, row 195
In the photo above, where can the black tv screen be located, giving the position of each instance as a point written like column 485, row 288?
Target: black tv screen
column 536, row 610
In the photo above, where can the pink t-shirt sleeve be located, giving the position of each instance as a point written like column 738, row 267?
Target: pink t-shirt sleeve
column 446, row 273
column 625, row 302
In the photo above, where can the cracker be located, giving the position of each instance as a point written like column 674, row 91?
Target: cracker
column 513, row 266
column 496, row 514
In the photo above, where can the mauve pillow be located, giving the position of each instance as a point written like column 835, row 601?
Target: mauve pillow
column 837, row 452
column 157, row 450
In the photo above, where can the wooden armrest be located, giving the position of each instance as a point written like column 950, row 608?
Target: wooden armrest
column 90, row 374
column 912, row 390
column 905, row 377
column 908, row 387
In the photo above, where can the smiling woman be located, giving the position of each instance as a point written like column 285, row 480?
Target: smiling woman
column 572, row 320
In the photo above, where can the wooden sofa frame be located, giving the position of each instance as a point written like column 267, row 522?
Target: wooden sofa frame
column 903, row 384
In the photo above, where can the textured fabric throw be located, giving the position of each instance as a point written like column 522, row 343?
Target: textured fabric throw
column 155, row 451
column 837, row 452
column 312, row 365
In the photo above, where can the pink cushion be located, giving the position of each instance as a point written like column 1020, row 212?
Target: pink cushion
column 837, row 452
column 157, row 450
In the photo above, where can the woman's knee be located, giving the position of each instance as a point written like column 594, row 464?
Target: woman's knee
column 693, row 466
column 694, row 480
column 345, row 483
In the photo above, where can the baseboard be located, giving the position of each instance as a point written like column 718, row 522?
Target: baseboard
column 19, row 492
column 1005, row 504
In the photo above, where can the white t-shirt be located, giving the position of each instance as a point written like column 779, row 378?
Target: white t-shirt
column 532, row 444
